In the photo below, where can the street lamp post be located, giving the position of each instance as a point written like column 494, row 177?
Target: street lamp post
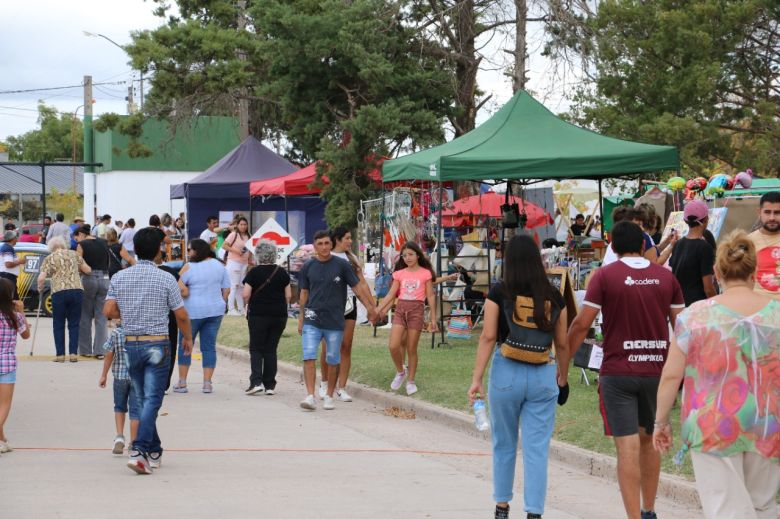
column 141, row 72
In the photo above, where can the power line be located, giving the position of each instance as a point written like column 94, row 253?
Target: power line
column 58, row 88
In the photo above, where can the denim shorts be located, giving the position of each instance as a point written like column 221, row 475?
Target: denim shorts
column 8, row 378
column 123, row 394
column 311, row 344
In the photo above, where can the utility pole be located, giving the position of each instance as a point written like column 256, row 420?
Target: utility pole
column 89, row 155
column 130, row 100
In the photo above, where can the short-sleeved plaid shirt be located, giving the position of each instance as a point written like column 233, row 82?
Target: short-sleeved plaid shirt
column 145, row 294
column 8, row 343
column 116, row 343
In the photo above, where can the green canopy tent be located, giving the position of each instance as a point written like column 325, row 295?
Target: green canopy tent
column 525, row 141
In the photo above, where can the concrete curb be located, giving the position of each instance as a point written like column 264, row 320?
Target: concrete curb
column 671, row 487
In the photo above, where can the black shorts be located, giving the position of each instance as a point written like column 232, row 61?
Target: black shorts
column 352, row 316
column 627, row 403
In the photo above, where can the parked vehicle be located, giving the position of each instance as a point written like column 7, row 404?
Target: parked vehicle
column 27, row 282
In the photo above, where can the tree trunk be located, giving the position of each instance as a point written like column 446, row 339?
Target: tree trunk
column 466, row 67
column 518, row 74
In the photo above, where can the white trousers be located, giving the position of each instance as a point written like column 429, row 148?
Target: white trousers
column 236, row 272
column 742, row 486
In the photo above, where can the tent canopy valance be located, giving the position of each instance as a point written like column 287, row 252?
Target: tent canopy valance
column 523, row 141
column 298, row 183
column 230, row 176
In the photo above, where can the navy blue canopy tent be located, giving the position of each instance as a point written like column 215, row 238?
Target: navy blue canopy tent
column 225, row 187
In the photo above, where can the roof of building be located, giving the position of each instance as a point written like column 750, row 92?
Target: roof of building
column 26, row 180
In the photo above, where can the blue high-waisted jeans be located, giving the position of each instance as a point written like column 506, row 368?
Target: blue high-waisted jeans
column 521, row 394
column 66, row 306
column 147, row 363
column 207, row 328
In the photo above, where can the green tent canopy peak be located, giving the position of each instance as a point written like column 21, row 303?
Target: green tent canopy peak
column 524, row 141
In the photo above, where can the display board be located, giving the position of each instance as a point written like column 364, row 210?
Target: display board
column 560, row 279
column 717, row 216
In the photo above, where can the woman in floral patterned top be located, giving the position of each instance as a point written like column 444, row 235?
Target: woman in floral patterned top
column 727, row 351
column 63, row 266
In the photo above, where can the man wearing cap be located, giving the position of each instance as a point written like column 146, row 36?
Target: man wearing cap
column 9, row 261
column 693, row 258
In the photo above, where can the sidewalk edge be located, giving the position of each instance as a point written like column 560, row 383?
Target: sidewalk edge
column 671, row 487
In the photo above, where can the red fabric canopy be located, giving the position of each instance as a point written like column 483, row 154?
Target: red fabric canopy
column 298, row 183
column 489, row 204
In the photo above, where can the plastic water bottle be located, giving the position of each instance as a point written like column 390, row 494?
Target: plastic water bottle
column 480, row 416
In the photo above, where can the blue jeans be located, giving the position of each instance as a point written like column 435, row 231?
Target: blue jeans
column 67, row 306
column 208, row 328
column 147, row 363
column 311, row 344
column 521, row 393
column 124, row 397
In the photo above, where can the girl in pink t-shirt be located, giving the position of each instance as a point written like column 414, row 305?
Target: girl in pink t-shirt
column 412, row 284
column 239, row 257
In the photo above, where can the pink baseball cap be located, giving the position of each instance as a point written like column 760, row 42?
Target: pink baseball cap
column 696, row 210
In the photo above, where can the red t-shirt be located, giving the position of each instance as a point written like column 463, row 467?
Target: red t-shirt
column 635, row 297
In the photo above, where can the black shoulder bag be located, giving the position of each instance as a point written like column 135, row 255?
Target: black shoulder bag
column 258, row 289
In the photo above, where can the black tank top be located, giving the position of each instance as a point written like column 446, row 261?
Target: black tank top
column 95, row 253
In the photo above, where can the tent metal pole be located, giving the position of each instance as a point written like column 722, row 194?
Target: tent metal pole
column 601, row 210
column 440, row 240
column 381, row 244
column 287, row 227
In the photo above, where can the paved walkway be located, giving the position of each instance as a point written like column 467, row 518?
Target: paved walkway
column 232, row 456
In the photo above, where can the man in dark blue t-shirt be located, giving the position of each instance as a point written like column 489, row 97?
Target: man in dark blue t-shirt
column 323, row 284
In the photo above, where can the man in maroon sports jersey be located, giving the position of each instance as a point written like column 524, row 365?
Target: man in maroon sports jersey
column 637, row 299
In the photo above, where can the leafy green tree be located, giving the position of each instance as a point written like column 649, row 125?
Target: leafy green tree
column 343, row 82
column 702, row 75
column 58, row 135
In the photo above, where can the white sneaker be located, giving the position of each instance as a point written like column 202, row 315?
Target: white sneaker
column 4, row 447
column 251, row 390
column 155, row 459
column 308, row 403
column 270, row 392
column 343, row 396
column 323, row 390
column 328, row 403
column 411, row 388
column 398, row 380
column 119, row 444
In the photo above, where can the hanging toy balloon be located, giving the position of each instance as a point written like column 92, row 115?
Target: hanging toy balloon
column 676, row 183
column 744, row 179
column 697, row 184
column 729, row 182
column 717, row 185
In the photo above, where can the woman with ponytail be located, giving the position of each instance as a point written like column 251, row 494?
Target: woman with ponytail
column 726, row 351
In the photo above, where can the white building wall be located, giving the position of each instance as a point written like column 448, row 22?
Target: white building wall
column 137, row 194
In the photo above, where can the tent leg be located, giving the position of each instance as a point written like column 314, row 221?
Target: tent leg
column 601, row 210
column 440, row 240
column 381, row 242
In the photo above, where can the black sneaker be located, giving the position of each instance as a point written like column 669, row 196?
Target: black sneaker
column 502, row 512
column 533, row 516
column 649, row 514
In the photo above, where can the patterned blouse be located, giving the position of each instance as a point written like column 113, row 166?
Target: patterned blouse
column 62, row 266
column 731, row 390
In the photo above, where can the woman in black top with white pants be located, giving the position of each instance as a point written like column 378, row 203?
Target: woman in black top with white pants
column 267, row 292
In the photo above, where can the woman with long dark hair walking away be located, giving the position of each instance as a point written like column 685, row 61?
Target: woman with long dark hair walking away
column 524, row 331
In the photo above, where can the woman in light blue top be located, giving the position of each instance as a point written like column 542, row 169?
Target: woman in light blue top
column 205, row 286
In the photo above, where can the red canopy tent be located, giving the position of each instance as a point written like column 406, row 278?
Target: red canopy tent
column 299, row 182
column 462, row 211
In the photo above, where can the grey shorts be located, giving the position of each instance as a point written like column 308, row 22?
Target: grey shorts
column 627, row 403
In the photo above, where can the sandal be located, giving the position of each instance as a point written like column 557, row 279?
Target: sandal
column 207, row 387
column 180, row 387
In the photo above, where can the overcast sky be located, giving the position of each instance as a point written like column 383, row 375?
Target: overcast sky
column 42, row 45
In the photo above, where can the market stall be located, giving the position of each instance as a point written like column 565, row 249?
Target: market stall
column 522, row 143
